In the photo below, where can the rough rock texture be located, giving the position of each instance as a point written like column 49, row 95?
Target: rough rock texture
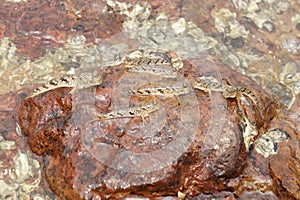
column 286, row 174
column 60, row 127
column 258, row 38
column 20, row 169
column 35, row 25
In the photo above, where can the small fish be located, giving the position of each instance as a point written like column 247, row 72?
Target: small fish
column 155, row 70
column 246, row 92
column 162, row 91
column 160, row 58
column 208, row 84
column 66, row 81
column 267, row 144
column 249, row 131
column 142, row 111
column 277, row 134
column 237, row 92
column 139, row 57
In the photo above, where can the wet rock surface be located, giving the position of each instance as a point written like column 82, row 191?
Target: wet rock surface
column 43, row 40
column 83, row 158
column 286, row 174
column 21, row 173
column 36, row 25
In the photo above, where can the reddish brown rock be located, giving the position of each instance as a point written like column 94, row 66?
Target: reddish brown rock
column 66, row 140
column 199, row 12
column 36, row 25
column 285, row 166
column 173, row 149
column 13, row 144
column 276, row 176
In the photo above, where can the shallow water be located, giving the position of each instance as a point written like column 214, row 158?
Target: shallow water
column 32, row 54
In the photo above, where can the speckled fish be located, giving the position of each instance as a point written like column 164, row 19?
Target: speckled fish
column 142, row 111
column 249, row 131
column 155, row 70
column 160, row 58
column 66, row 81
column 139, row 57
column 267, row 144
column 208, row 84
column 277, row 134
column 162, row 91
column 240, row 90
